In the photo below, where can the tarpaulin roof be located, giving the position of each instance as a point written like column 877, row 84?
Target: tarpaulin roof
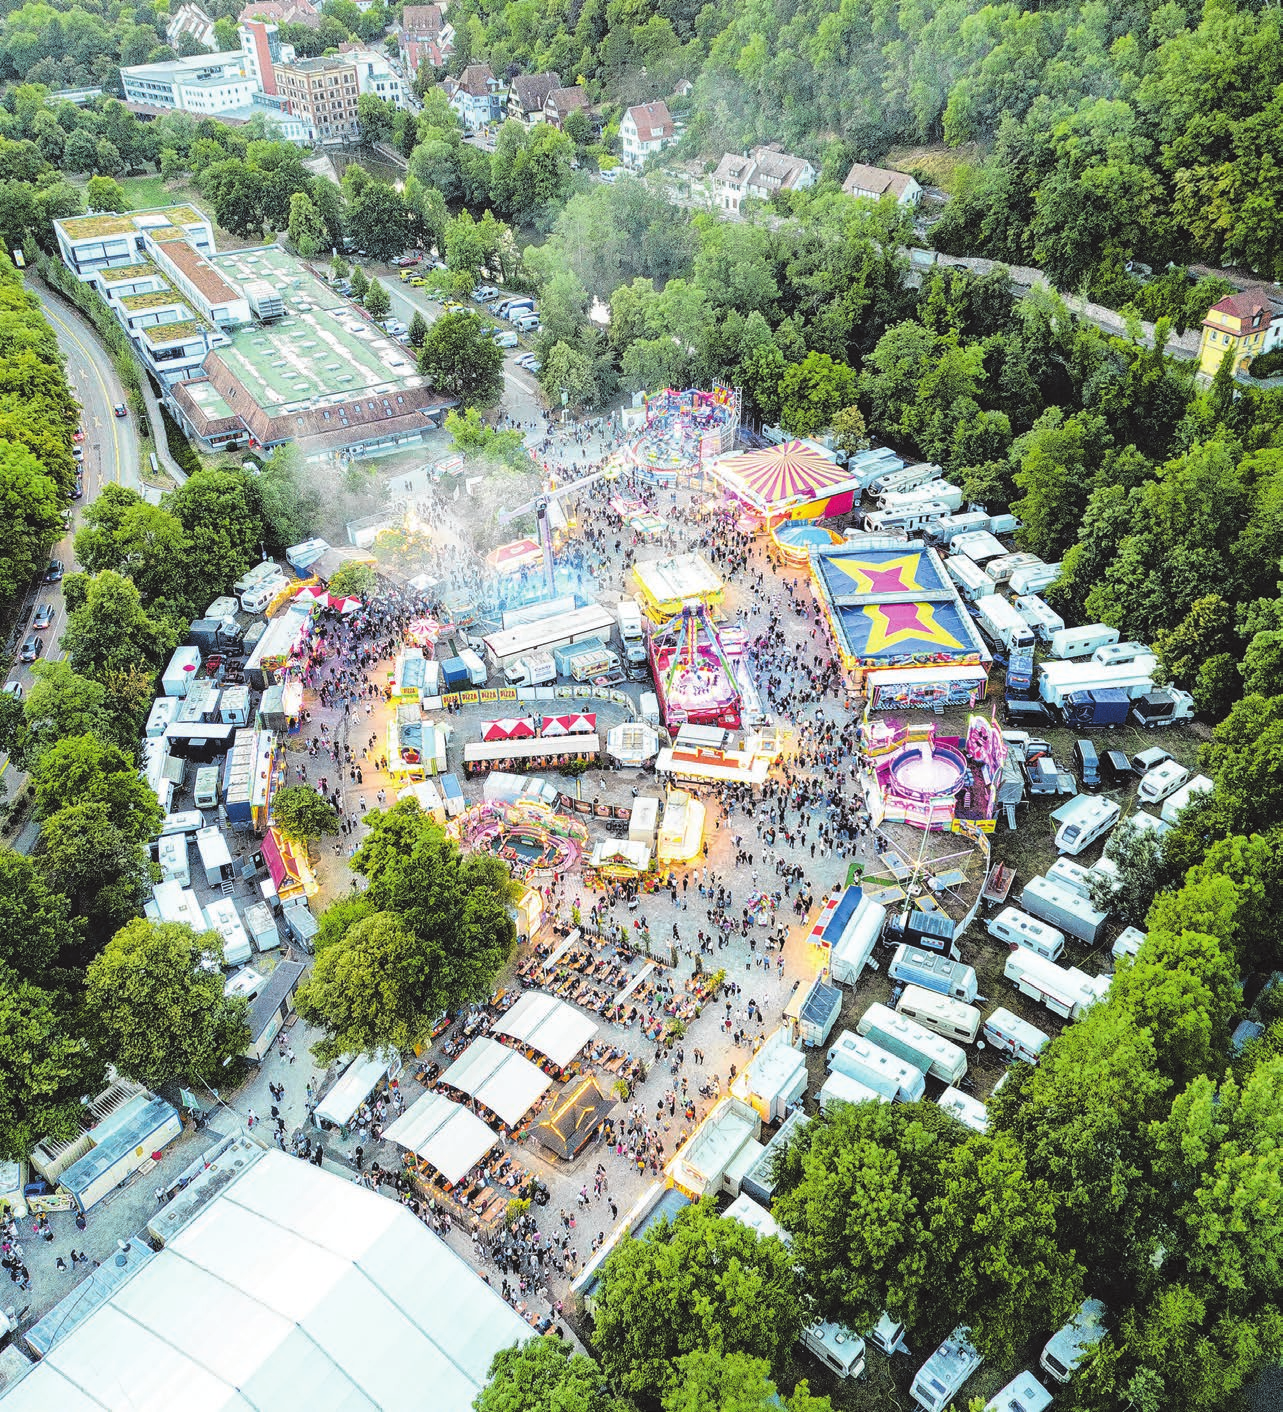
column 547, row 1024
column 511, row 728
column 508, row 558
column 780, row 476
column 505, row 1081
column 583, row 724
column 445, row 1134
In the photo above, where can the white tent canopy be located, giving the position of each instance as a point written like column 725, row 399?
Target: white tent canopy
column 357, row 1082
column 444, row 1134
column 548, row 1025
column 295, row 1291
column 506, row 1082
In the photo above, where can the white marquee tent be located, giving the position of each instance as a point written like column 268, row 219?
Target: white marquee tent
column 506, row 1082
column 548, row 1025
column 293, row 1290
column 445, row 1134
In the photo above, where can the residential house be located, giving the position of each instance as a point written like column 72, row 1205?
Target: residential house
column 375, row 74
column 561, row 102
column 477, row 96
column 683, row 88
column 877, row 182
column 283, row 12
column 1239, row 325
column 424, row 37
column 322, row 93
column 189, row 19
column 528, row 94
column 644, row 131
column 759, row 174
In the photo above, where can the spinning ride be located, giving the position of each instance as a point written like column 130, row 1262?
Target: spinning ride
column 694, row 678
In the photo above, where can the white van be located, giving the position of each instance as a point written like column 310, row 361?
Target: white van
column 1082, row 641
column 1067, row 1348
column 1116, row 654
column 1162, row 780
column 648, row 708
column 940, row 1013
column 1018, row 928
column 1014, row 1036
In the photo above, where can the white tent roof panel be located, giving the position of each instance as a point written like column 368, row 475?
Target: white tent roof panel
column 443, row 1133
column 293, row 1291
column 549, row 1025
column 506, row 1082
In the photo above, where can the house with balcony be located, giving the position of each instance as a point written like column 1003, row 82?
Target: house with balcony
column 644, row 131
column 1243, row 325
column 759, row 174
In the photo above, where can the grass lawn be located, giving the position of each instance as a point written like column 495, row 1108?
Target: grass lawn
column 147, row 191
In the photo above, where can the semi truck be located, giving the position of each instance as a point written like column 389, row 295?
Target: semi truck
column 631, row 633
column 1057, row 679
column 1003, row 623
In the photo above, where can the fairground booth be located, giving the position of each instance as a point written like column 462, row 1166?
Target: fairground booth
column 795, row 481
column 666, row 585
column 899, row 626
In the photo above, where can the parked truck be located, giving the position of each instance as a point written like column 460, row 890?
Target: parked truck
column 1057, row 679
column 538, row 669
column 1003, row 623
column 566, row 653
column 630, row 631
column 589, row 666
column 1162, row 707
column 1103, row 709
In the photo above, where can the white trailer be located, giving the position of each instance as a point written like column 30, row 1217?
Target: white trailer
column 1067, row 1348
column 1065, row 991
column 1033, row 578
column 1044, row 620
column 1164, row 779
column 1174, row 803
column 1002, row 623
column 1056, row 680
column 1082, row 641
column 886, row 1074
column 841, row 1088
column 910, row 1041
column 971, row 579
column 171, row 854
column 1074, row 915
column 937, row 1382
column 855, row 946
column 1128, row 943
column 1084, row 819
column 1066, row 873
column 841, row 1351
column 966, row 522
column 1001, row 569
column 1018, row 928
column 226, row 921
column 531, row 638
column 938, row 489
column 215, row 856
column 915, row 966
column 903, row 478
column 978, row 545
column 1014, row 1036
column 970, row 1112
column 1024, row 1393
column 906, row 520
column 938, row 1013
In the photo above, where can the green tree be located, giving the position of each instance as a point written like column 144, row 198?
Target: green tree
column 360, row 283
column 95, row 864
column 377, row 221
column 461, row 360
column 82, row 769
column 104, row 194
column 307, row 231
column 418, row 329
column 160, row 1016
column 80, row 153
column 1263, row 664
column 1129, row 891
column 356, row 580
column 543, row 1375
column 567, row 370
column 813, row 392
column 59, row 703
column 433, row 933
column 339, row 267
column 850, row 433
column 1054, row 464
column 378, row 302
column 708, row 1381
column 218, row 510
column 45, row 1070
column 111, row 629
column 303, row 814
column 146, row 544
column 30, row 517
column 288, row 497
column 699, row 1282
column 1243, row 759
column 36, row 927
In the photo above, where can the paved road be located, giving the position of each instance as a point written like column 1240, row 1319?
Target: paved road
column 111, row 456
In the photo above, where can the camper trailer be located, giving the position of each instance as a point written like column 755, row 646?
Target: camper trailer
column 841, row 1088
column 1018, row 928
column 1024, row 1393
column 1043, row 620
column 852, row 950
column 970, row 1112
column 1067, row 1348
column 1115, row 654
column 1177, row 801
column 1065, row 991
column 966, row 522
column 1074, row 915
column 1001, row 569
column 938, row 489
column 903, row 478
column 841, row 1351
column 226, row 921
column 888, row 1076
column 1128, row 942
column 907, row 520
column 1082, row 641
column 939, row 1014
column 215, row 857
column 970, row 578
column 923, row 968
column 1032, row 578
column 908, row 1040
column 1064, row 872
column 1164, row 779
column 940, row 1378
column 1084, row 819
column 1014, row 1036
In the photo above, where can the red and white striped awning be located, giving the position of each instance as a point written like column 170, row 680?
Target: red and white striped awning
column 511, row 728
column 583, row 724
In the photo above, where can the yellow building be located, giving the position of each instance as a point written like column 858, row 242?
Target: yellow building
column 1238, row 325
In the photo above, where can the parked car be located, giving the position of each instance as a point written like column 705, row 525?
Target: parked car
column 418, row 281
column 506, row 340
column 120, row 409
column 12, row 688
column 78, row 452
column 54, row 572
column 406, row 260
column 79, row 491
column 78, row 434
column 43, row 618
column 31, row 648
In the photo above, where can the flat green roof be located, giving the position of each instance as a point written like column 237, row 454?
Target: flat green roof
column 107, row 223
column 210, row 400
column 127, row 273
column 139, row 303
column 321, row 353
column 170, row 333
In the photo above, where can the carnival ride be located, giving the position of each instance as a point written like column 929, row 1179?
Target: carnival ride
column 796, row 538
column 693, row 675
column 527, row 835
column 929, row 780
column 793, row 481
column 678, row 431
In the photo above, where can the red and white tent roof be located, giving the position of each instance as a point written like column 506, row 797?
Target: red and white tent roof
column 582, row 724
column 511, row 728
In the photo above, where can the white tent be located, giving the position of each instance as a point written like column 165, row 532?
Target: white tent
column 293, row 1290
column 548, row 1025
column 357, row 1082
column 506, row 1082
column 444, row 1134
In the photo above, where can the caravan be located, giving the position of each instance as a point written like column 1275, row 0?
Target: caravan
column 939, row 1379
column 1067, row 1348
column 1082, row 641
column 852, row 950
column 903, row 478
column 841, row 1351
column 1164, row 779
column 1018, row 928
column 909, row 1041
column 888, row 1076
column 916, row 967
column 939, row 1014
column 908, row 520
column 938, row 489
column 1045, row 621
column 1065, row 991
column 970, row 1112
column 841, row 1088
column 1074, row 915
column 1084, row 819
column 972, row 581
column 1014, row 1036
column 1024, row 1393
column 1184, row 796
